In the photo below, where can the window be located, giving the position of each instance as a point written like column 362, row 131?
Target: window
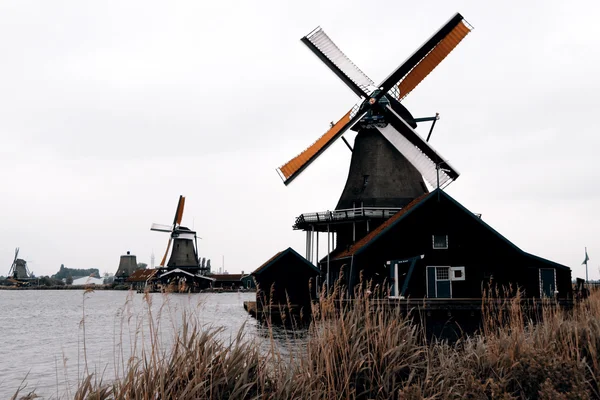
column 457, row 273
column 442, row 273
column 440, row 241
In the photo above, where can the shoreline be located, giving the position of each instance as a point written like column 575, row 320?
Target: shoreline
column 110, row 287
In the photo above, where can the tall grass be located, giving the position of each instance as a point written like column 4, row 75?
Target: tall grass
column 365, row 350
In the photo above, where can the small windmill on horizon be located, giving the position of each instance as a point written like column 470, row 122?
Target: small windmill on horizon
column 182, row 244
column 18, row 268
column 585, row 262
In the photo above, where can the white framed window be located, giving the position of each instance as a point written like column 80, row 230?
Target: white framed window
column 440, row 241
column 457, row 273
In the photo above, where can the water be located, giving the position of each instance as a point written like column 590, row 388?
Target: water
column 42, row 332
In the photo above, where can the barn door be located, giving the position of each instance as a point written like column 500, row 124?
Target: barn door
column 438, row 282
column 547, row 282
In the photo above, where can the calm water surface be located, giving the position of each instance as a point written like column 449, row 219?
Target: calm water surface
column 42, row 332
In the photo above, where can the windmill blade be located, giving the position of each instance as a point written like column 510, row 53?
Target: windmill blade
column 290, row 170
column 179, row 211
column 161, row 228
column 16, row 255
column 324, row 48
column 410, row 73
column 418, row 152
column 164, row 259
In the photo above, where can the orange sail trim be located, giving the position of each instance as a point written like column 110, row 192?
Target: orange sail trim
column 432, row 59
column 164, row 259
column 180, row 210
column 296, row 163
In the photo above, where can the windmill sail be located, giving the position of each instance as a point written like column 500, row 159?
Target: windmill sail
column 416, row 67
column 290, row 170
column 420, row 153
column 324, row 48
column 161, row 228
column 164, row 259
column 179, row 213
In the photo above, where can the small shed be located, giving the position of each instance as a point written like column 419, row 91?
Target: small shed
column 287, row 277
column 436, row 248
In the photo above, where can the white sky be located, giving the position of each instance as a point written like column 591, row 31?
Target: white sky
column 110, row 110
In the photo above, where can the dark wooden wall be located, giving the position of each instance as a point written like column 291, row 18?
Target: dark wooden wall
column 288, row 277
column 487, row 258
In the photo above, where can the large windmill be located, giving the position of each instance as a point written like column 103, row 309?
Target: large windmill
column 390, row 161
column 183, row 240
column 18, row 268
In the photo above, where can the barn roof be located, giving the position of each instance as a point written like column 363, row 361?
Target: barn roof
column 374, row 235
column 273, row 260
column 141, row 275
column 180, row 271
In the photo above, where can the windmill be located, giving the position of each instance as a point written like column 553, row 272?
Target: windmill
column 18, row 269
column 379, row 108
column 184, row 242
column 390, row 161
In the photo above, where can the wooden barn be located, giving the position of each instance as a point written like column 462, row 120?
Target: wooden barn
column 227, row 281
column 436, row 248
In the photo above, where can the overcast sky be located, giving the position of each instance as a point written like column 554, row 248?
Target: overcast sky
column 109, row 110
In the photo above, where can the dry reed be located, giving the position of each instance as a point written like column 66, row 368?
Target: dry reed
column 360, row 349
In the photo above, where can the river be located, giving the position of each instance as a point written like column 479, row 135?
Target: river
column 43, row 341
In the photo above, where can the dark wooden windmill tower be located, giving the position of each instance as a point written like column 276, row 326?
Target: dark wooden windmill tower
column 127, row 266
column 390, row 161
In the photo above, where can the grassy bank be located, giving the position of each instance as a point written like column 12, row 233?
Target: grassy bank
column 366, row 352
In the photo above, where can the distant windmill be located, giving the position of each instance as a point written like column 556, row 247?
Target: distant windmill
column 18, row 269
column 183, row 240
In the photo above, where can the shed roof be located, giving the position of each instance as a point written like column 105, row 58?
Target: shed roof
column 273, row 260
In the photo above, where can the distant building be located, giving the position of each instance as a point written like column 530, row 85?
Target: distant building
column 127, row 265
column 143, row 279
column 248, row 281
column 88, row 280
column 227, row 281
